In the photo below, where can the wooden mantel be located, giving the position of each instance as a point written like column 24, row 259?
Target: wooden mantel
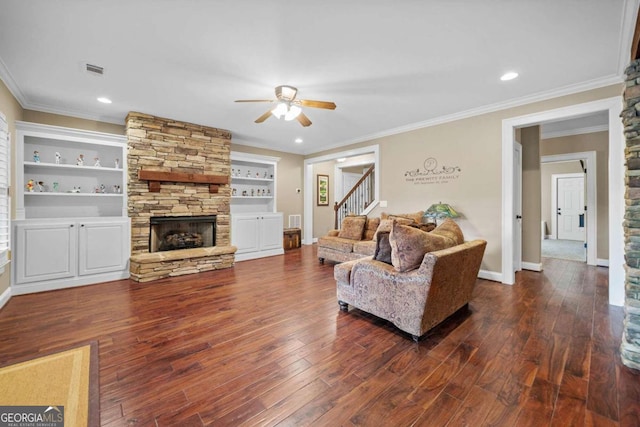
column 156, row 177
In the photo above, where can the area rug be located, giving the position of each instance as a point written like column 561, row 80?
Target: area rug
column 572, row 250
column 61, row 384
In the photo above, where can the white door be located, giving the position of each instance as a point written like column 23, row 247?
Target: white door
column 245, row 234
column 102, row 247
column 45, row 252
column 349, row 179
column 570, row 211
column 271, row 231
column 517, row 197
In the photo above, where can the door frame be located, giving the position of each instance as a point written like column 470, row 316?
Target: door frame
column 613, row 106
column 590, row 161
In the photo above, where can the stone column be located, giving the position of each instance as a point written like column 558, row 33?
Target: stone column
column 630, row 347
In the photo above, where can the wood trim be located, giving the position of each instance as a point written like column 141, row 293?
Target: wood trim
column 156, row 177
column 635, row 44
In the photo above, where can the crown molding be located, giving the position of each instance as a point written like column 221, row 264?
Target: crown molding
column 627, row 30
column 577, row 131
column 541, row 96
column 11, row 84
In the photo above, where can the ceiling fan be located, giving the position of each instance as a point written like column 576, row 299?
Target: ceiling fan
column 288, row 107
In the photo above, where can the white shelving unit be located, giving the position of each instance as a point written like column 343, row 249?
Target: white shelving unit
column 71, row 225
column 256, row 227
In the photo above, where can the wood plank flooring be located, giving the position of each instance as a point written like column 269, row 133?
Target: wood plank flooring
column 264, row 343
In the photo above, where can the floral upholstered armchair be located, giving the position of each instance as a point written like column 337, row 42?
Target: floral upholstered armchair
column 428, row 278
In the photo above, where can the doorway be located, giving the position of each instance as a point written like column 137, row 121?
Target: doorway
column 616, row 186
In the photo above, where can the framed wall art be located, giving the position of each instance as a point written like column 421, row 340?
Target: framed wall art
column 322, row 190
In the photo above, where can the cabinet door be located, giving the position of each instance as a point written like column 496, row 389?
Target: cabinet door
column 245, row 234
column 271, row 230
column 45, row 252
column 102, row 247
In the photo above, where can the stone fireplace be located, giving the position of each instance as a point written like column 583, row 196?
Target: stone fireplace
column 179, row 197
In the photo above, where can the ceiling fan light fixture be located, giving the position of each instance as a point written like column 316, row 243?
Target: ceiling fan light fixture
column 294, row 111
column 280, row 110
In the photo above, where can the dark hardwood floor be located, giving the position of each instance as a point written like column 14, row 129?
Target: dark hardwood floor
column 264, row 343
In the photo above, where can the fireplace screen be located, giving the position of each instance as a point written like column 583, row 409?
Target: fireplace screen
column 182, row 232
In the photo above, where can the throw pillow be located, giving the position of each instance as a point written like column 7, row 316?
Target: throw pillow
column 451, row 230
column 415, row 216
column 370, row 227
column 409, row 245
column 383, row 248
column 385, row 225
column 352, row 227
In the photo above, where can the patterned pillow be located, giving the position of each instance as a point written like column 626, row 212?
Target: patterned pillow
column 352, row 227
column 409, row 245
column 385, row 225
column 450, row 229
column 383, row 248
column 415, row 216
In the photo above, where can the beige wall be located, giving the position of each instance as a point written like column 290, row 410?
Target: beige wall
column 473, row 144
column 10, row 107
column 546, row 171
column 530, row 140
column 598, row 142
column 72, row 122
column 290, row 176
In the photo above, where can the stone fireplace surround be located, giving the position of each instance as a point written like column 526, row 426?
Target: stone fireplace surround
column 165, row 145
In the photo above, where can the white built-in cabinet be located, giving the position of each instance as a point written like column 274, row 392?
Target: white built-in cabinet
column 256, row 227
column 71, row 225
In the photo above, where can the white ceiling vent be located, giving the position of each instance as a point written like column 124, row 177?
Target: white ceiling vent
column 95, row 70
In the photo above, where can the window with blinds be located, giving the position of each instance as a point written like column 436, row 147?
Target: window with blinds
column 4, row 190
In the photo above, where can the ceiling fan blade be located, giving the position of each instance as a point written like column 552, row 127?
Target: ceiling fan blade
column 254, row 100
column 316, row 104
column 264, row 117
column 304, row 120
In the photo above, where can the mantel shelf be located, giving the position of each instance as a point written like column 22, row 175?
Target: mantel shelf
column 156, row 177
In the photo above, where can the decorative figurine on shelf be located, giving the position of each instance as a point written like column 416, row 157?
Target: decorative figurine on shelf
column 268, row 191
column 248, row 174
column 40, row 186
column 58, row 157
column 265, row 175
column 75, row 189
column 36, row 156
column 80, row 160
column 233, row 192
column 30, row 186
column 244, row 192
column 252, row 192
column 257, row 174
column 103, row 188
column 117, row 164
column 55, row 187
column 97, row 162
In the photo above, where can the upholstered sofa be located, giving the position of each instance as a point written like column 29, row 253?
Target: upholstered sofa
column 414, row 291
column 357, row 236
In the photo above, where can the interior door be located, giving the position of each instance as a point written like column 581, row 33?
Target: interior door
column 517, row 197
column 349, row 179
column 570, row 212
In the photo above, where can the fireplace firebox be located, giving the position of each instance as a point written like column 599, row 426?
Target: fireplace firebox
column 172, row 233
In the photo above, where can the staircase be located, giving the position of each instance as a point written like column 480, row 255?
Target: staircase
column 357, row 199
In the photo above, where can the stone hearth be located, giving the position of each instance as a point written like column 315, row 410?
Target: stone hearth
column 164, row 145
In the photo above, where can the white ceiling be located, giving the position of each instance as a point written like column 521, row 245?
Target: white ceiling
column 389, row 66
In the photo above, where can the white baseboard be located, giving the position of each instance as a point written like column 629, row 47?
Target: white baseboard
column 602, row 262
column 532, row 266
column 490, row 275
column 5, row 297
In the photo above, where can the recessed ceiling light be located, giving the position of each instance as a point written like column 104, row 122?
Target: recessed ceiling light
column 104, row 100
column 298, row 140
column 509, row 76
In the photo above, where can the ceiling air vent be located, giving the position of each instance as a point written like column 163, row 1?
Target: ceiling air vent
column 94, row 69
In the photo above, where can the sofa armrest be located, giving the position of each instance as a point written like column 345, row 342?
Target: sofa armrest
column 333, row 233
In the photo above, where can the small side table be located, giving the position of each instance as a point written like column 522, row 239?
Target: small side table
column 291, row 238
